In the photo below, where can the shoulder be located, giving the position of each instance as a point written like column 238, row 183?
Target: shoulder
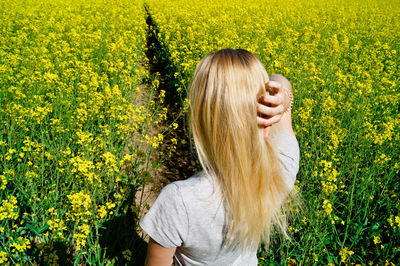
column 196, row 188
column 193, row 183
column 182, row 187
column 182, row 191
column 167, row 221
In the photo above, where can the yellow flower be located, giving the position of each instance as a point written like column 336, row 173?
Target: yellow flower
column 127, row 254
column 345, row 253
column 3, row 182
column 377, row 240
column 397, row 220
column 327, row 206
column 101, row 212
column 291, row 261
column 3, row 257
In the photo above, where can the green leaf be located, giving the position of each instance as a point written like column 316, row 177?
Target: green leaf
column 33, row 229
column 37, row 231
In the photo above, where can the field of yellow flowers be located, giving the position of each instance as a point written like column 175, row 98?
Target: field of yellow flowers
column 342, row 58
column 75, row 138
column 77, row 122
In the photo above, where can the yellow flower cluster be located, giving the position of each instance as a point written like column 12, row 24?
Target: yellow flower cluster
column 329, row 177
column 21, row 244
column 3, row 257
column 394, row 221
column 80, row 206
column 80, row 235
column 9, row 208
column 3, row 181
column 377, row 240
column 127, row 254
column 83, row 167
column 327, row 207
column 155, row 141
column 345, row 253
column 80, row 213
column 110, row 162
column 57, row 226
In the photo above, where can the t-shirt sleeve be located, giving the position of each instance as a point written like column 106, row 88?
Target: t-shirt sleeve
column 166, row 222
column 289, row 156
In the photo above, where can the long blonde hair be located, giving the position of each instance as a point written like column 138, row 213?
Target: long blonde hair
column 231, row 146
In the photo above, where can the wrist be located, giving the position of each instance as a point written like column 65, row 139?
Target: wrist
column 288, row 99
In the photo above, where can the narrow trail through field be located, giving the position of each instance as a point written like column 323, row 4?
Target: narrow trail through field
column 182, row 162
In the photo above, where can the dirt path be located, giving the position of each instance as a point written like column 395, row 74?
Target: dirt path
column 183, row 162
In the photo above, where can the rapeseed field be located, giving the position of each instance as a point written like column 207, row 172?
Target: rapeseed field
column 342, row 58
column 75, row 142
column 81, row 115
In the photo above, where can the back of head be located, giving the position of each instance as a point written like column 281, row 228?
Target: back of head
column 231, row 147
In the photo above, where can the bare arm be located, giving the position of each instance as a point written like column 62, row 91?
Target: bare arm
column 158, row 255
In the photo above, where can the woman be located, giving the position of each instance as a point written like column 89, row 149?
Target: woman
column 220, row 216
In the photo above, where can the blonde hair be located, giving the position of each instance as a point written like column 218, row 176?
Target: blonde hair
column 231, row 146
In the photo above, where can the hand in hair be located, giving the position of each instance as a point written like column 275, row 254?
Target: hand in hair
column 275, row 105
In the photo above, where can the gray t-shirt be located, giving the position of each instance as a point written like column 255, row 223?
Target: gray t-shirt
column 188, row 215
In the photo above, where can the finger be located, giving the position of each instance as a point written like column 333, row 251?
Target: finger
column 270, row 100
column 274, row 85
column 269, row 111
column 273, row 120
column 262, row 122
column 266, row 122
column 266, row 131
